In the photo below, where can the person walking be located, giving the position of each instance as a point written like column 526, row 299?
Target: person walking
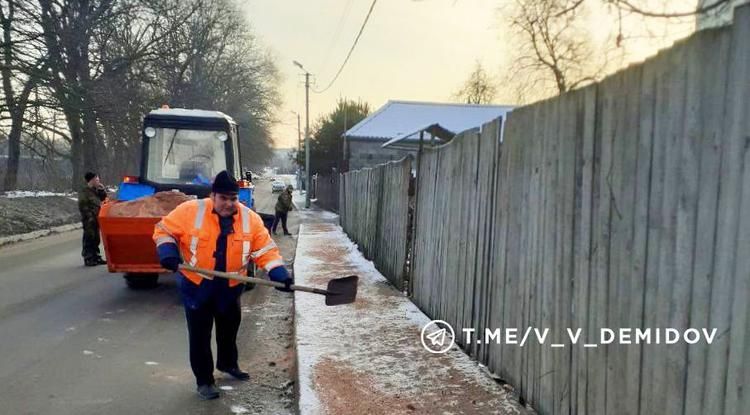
column 283, row 207
column 90, row 199
column 222, row 234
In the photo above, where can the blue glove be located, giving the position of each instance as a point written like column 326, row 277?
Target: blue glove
column 280, row 274
column 171, row 263
column 169, row 256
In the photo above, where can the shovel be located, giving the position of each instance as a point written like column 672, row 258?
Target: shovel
column 339, row 291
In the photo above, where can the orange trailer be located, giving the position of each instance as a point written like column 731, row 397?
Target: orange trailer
column 128, row 243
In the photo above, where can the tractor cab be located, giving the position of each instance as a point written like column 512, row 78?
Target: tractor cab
column 183, row 150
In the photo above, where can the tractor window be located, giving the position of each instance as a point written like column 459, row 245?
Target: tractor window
column 182, row 156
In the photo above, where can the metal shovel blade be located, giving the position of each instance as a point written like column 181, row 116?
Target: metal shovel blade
column 342, row 290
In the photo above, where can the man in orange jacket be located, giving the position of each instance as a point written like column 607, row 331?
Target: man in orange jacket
column 221, row 234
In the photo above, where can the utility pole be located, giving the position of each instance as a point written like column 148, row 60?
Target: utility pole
column 299, row 149
column 307, row 138
column 299, row 135
column 307, row 135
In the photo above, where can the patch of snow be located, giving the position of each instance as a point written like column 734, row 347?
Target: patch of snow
column 361, row 336
column 298, row 199
column 238, row 409
column 38, row 234
column 150, row 363
column 34, row 193
column 88, row 352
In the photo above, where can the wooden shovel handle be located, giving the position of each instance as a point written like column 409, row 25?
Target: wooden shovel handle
column 260, row 281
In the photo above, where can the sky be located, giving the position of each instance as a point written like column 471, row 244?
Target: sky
column 420, row 50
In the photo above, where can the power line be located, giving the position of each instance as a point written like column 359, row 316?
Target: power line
column 348, row 55
column 337, row 33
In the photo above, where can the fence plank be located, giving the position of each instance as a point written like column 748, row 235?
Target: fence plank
column 582, row 242
column 374, row 205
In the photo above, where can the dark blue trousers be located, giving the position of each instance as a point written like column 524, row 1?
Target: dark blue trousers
column 213, row 301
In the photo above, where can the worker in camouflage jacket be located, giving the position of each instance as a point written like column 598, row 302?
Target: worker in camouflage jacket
column 283, row 207
column 90, row 200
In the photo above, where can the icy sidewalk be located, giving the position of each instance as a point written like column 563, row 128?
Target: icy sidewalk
column 367, row 357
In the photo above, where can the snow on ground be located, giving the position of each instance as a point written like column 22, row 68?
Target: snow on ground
column 11, row 239
column 298, row 199
column 23, row 217
column 34, row 193
column 367, row 357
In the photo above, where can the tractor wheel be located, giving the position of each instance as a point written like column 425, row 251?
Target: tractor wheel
column 250, row 273
column 142, row 281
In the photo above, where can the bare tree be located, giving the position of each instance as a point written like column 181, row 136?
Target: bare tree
column 553, row 51
column 217, row 63
column 21, row 67
column 479, row 88
column 95, row 67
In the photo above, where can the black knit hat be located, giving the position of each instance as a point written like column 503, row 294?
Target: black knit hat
column 89, row 175
column 224, row 183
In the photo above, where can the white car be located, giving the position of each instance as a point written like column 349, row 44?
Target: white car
column 277, row 186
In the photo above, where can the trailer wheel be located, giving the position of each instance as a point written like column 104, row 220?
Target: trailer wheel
column 250, row 273
column 137, row 281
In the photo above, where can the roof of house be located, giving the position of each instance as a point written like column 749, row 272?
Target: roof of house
column 397, row 118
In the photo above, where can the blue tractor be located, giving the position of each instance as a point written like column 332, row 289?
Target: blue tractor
column 182, row 150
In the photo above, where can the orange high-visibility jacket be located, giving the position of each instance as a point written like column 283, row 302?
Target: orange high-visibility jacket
column 194, row 228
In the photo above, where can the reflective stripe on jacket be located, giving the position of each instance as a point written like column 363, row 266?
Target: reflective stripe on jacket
column 194, row 228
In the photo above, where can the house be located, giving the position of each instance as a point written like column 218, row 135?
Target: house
column 720, row 15
column 394, row 130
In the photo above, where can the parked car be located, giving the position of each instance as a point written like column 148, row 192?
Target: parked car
column 277, row 186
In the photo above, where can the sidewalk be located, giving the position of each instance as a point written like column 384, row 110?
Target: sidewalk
column 367, row 357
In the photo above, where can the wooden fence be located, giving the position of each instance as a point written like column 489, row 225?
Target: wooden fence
column 622, row 205
column 373, row 208
column 326, row 191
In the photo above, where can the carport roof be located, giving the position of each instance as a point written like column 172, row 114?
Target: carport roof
column 404, row 119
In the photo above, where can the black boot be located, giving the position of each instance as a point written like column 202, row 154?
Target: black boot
column 207, row 392
column 236, row 373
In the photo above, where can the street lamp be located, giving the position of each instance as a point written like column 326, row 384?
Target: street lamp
column 307, row 133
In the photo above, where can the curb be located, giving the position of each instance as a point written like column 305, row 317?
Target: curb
column 21, row 237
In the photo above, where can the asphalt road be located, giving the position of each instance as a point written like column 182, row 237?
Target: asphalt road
column 76, row 340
